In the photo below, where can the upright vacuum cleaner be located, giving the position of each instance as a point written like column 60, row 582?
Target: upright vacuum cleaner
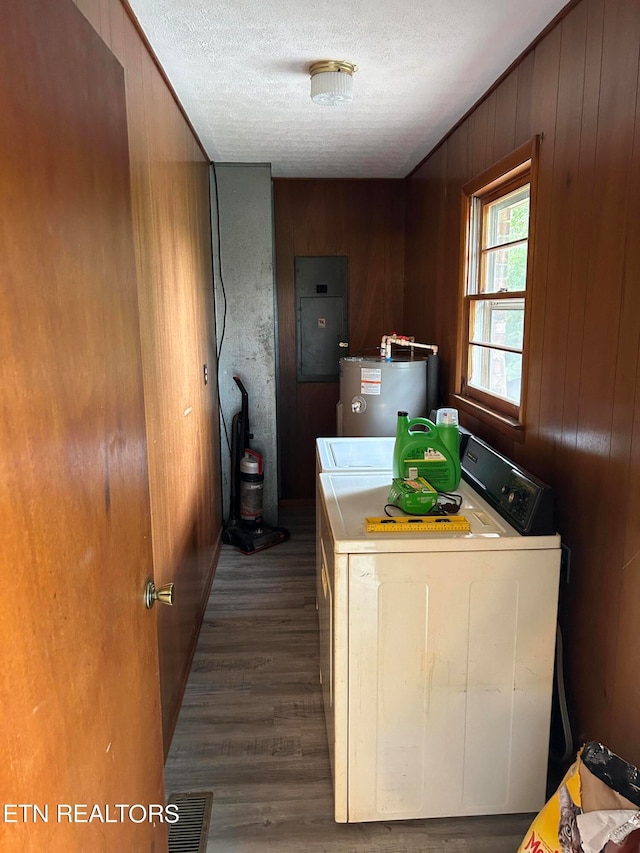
column 245, row 528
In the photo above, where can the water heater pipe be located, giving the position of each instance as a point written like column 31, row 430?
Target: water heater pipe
column 387, row 340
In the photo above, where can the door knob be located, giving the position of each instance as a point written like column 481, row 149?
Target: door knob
column 151, row 594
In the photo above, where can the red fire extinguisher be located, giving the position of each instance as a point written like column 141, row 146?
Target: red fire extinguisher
column 251, row 487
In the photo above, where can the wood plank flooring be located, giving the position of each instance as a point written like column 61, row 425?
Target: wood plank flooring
column 251, row 728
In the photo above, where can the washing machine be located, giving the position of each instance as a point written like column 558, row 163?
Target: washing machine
column 437, row 648
column 349, row 454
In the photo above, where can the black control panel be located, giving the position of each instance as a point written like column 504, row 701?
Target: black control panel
column 523, row 500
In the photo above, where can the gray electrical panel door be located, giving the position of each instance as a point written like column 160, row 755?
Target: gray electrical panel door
column 322, row 322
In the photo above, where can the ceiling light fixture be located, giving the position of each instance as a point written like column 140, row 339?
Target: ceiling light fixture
column 331, row 81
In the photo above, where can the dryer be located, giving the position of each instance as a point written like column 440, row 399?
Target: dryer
column 437, row 649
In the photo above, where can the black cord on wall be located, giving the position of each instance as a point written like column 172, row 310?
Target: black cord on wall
column 224, row 303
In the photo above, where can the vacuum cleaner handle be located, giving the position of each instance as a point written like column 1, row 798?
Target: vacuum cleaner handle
column 244, row 414
column 243, row 390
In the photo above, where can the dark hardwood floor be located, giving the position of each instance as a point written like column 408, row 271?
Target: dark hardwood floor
column 251, row 728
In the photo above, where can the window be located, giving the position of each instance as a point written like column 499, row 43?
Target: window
column 498, row 235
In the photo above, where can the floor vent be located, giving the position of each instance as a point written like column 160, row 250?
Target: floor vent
column 189, row 833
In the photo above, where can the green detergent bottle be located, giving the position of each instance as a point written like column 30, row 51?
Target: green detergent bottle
column 425, row 449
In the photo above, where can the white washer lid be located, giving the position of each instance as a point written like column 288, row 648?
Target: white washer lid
column 345, row 453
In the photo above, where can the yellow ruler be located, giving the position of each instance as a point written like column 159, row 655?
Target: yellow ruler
column 418, row 524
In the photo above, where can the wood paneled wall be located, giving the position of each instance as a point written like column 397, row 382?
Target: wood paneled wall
column 363, row 220
column 578, row 87
column 172, row 232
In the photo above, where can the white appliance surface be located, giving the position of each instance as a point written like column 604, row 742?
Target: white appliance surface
column 354, row 454
column 436, row 658
column 351, row 498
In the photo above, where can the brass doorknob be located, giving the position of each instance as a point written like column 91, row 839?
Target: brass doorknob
column 151, row 594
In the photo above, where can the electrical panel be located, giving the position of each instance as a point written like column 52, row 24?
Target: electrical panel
column 322, row 323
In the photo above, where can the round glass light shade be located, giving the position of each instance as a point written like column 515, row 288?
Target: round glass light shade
column 331, row 87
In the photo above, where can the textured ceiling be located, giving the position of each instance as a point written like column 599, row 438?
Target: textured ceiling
column 240, row 70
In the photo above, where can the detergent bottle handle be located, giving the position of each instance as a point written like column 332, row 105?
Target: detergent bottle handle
column 430, row 426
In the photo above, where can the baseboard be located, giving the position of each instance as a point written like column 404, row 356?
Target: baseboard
column 189, row 660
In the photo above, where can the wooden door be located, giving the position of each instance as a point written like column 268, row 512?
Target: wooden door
column 79, row 692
